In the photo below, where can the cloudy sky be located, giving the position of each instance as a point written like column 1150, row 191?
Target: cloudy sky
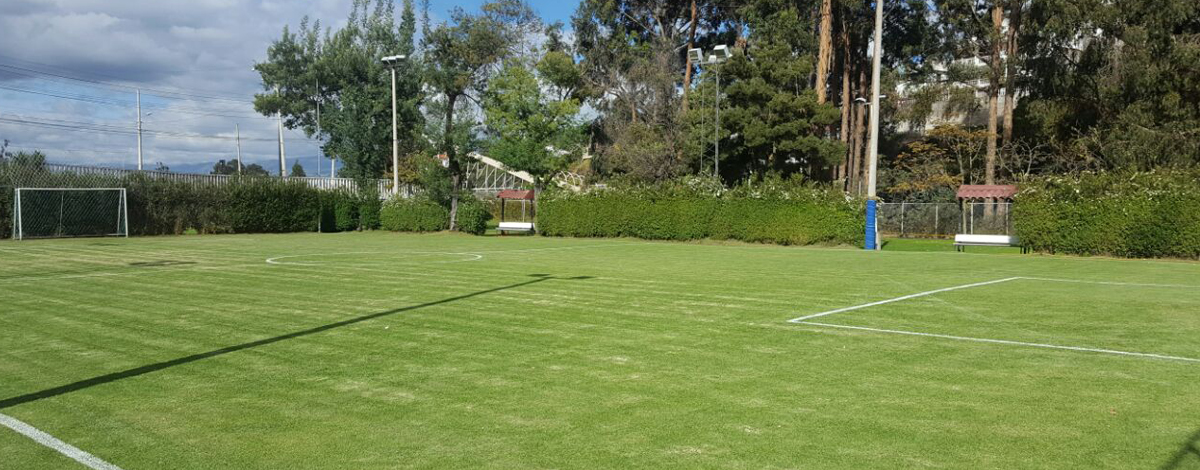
column 69, row 70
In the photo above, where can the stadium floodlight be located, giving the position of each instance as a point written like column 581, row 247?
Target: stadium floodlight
column 696, row 56
column 70, row 212
column 391, row 61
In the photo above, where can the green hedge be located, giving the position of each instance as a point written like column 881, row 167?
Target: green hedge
column 1144, row 215
column 773, row 211
column 413, row 215
column 244, row 205
column 473, row 216
column 423, row 215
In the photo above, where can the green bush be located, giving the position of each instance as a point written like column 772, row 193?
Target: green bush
column 413, row 215
column 1144, row 215
column 473, row 216
column 771, row 211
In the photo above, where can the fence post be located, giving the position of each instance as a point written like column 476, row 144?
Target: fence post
column 936, row 232
column 902, row 204
column 972, row 206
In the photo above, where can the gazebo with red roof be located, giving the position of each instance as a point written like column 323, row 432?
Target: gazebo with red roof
column 522, row 195
column 987, row 191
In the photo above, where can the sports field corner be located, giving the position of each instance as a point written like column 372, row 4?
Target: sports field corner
column 381, row 350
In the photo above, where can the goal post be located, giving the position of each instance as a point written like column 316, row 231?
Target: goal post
column 70, row 212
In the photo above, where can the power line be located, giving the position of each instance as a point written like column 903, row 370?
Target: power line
column 150, row 90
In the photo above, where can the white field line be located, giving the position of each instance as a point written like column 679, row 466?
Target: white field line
column 1002, row 341
column 91, row 461
column 1112, row 283
column 124, row 273
column 904, row 297
column 276, row 260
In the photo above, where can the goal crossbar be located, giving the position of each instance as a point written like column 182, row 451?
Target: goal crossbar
column 84, row 217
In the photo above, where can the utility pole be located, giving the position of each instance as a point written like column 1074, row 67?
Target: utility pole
column 237, row 130
column 391, row 62
column 282, row 155
column 319, row 150
column 873, row 147
column 717, row 136
column 139, row 128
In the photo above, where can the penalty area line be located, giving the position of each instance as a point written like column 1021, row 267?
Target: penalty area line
column 1003, row 341
column 75, row 453
column 903, row 297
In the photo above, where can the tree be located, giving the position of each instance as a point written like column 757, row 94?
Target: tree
column 162, row 167
column 459, row 57
column 341, row 72
column 528, row 130
column 225, row 168
column 297, row 170
column 1112, row 85
column 772, row 119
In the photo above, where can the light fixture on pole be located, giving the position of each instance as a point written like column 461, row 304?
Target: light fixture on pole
column 719, row 54
column 872, row 232
column 392, row 62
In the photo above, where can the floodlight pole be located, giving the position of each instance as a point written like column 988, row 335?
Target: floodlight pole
column 872, row 231
column 282, row 154
column 139, row 128
column 391, row 62
column 237, row 131
column 717, row 137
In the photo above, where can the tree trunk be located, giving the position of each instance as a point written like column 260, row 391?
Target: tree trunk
column 858, row 174
column 996, row 72
column 448, row 142
column 1010, row 85
column 825, row 52
column 687, row 72
column 994, row 93
column 847, row 106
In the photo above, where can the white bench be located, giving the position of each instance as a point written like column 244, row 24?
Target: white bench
column 515, row 227
column 961, row 241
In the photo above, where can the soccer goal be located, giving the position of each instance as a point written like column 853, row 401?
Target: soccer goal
column 69, row 212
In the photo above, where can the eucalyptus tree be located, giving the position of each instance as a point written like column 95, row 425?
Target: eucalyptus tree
column 460, row 56
column 339, row 72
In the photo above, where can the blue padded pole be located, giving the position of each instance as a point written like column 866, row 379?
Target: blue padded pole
column 870, row 235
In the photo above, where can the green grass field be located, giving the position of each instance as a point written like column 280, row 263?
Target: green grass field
column 378, row 350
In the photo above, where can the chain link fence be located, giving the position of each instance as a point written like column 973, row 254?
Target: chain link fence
column 943, row 219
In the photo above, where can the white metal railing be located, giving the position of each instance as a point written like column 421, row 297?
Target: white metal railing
column 944, row 219
column 325, row 183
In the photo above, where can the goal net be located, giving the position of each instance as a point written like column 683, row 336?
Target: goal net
column 69, row 212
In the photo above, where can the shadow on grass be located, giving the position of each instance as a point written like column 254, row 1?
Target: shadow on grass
column 1189, row 452
column 146, row 369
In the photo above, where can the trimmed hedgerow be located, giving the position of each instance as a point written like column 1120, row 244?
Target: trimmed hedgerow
column 413, row 215
column 157, row 206
column 1145, row 215
column 473, row 216
column 787, row 212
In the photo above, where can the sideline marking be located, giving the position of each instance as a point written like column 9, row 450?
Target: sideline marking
column 75, row 453
column 1004, row 341
column 803, row 320
column 905, row 297
column 276, row 259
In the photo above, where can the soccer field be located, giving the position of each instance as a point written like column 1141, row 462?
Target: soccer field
column 378, row 350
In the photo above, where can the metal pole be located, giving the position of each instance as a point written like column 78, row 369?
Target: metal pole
column 282, row 155
column 717, row 136
column 319, row 149
column 902, row 205
column 395, row 140
column 125, row 209
column 18, row 226
column 873, row 147
column 935, row 219
column 139, row 128
column 237, row 130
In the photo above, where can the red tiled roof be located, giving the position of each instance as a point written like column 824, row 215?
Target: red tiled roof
column 986, row 191
column 515, row 194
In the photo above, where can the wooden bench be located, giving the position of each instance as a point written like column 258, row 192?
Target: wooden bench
column 515, row 227
column 961, row 241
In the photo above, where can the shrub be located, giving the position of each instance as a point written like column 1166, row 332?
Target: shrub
column 473, row 216
column 413, row 215
column 1154, row 214
column 771, row 211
